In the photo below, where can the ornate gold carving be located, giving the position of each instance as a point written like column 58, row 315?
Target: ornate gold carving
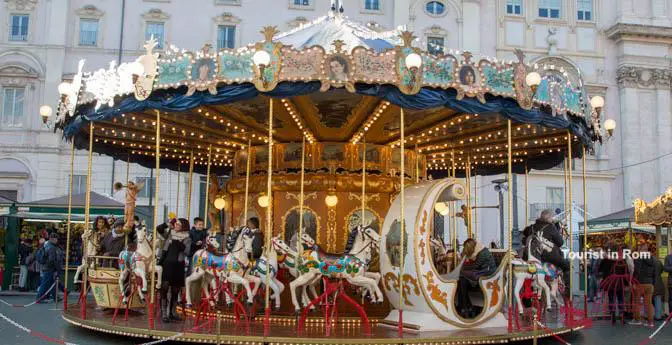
column 494, row 286
column 331, row 229
column 658, row 212
column 409, row 282
column 296, row 196
column 434, row 290
column 21, row 5
column 422, row 250
column 367, row 197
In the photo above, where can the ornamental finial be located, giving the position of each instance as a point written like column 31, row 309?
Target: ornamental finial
column 269, row 32
column 338, row 45
column 407, row 37
column 467, row 56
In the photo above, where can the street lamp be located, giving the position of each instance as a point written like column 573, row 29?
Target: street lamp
column 597, row 102
column 64, row 89
column 220, row 203
column 331, row 200
column 610, row 125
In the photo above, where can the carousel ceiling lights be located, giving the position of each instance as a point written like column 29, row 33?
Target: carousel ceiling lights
column 263, row 200
column 370, row 121
column 331, row 200
column 298, row 120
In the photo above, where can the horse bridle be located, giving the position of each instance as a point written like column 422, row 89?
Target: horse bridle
column 368, row 245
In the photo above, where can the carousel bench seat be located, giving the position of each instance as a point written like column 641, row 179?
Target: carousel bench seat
column 475, row 294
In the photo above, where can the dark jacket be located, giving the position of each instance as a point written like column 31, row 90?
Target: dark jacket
column 24, row 252
column 195, row 236
column 51, row 260
column 667, row 267
column 112, row 246
column 658, row 287
column 551, row 232
column 173, row 250
column 645, row 272
column 483, row 265
column 257, row 244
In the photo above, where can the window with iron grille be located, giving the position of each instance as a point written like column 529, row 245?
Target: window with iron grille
column 88, row 32
column 12, row 107
column 19, row 29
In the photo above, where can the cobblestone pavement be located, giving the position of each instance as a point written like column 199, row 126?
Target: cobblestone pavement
column 46, row 319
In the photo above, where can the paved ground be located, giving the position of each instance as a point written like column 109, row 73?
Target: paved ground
column 46, row 319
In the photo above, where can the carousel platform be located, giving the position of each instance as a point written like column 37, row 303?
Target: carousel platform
column 283, row 330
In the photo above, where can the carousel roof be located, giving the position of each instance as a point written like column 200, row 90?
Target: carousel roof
column 215, row 103
column 324, row 30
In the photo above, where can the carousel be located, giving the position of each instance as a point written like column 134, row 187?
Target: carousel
column 357, row 152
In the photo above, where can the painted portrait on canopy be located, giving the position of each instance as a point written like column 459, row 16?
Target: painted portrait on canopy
column 291, row 225
column 338, row 68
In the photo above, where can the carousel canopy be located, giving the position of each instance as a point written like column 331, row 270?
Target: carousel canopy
column 214, row 103
column 658, row 212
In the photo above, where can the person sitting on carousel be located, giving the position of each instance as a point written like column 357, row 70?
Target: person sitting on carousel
column 258, row 237
column 479, row 262
column 113, row 242
column 551, row 231
column 176, row 246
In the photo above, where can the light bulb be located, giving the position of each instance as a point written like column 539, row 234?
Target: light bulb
column 220, row 203
column 597, row 102
column 441, row 207
column 610, row 125
column 64, row 88
column 331, row 200
column 413, row 60
column 261, row 57
column 263, row 201
column 45, row 111
column 533, row 79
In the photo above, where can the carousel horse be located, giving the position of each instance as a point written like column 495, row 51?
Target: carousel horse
column 290, row 263
column 537, row 271
column 139, row 263
column 235, row 266
column 268, row 262
column 92, row 241
column 352, row 266
column 203, row 269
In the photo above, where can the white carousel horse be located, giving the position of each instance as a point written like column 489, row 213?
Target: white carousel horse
column 351, row 267
column 92, row 241
column 235, row 266
column 290, row 263
column 269, row 263
column 203, row 269
column 537, row 271
column 139, row 263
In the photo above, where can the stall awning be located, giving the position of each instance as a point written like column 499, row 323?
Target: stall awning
column 614, row 222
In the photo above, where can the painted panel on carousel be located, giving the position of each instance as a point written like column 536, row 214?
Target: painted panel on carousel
column 498, row 78
column 370, row 66
column 235, row 66
column 301, row 64
column 290, row 221
column 174, row 71
column 338, row 69
column 374, row 157
column 438, row 71
column 203, row 71
column 469, row 79
column 266, row 75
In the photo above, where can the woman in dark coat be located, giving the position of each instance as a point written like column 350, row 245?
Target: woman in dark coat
column 479, row 263
column 176, row 246
column 658, row 288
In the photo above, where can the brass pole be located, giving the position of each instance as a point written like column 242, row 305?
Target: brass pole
column 177, row 195
column 509, row 177
column 247, row 178
column 417, row 164
column 299, row 248
column 207, row 187
column 585, row 229
column 476, row 204
column 363, row 181
column 128, row 173
column 152, row 287
column 190, row 183
column 403, row 222
column 87, row 215
column 67, row 235
column 468, row 177
column 527, row 202
column 569, row 214
column 269, row 214
column 453, row 213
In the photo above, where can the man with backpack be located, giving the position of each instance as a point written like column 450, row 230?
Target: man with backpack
column 50, row 258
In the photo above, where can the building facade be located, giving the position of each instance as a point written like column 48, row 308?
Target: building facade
column 622, row 48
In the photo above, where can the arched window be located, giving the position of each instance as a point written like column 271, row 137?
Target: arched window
column 435, row 8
